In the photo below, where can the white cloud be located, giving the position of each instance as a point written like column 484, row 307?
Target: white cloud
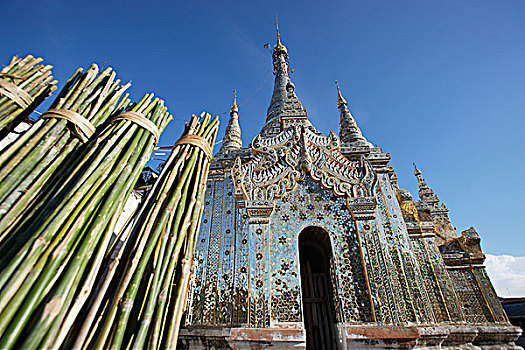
column 507, row 274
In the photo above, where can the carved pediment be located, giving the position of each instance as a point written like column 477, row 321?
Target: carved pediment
column 281, row 161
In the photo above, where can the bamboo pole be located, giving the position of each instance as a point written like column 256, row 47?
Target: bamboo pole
column 71, row 234
column 36, row 84
column 131, row 310
column 28, row 164
column 64, row 282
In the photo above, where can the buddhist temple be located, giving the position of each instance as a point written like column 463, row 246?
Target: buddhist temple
column 307, row 242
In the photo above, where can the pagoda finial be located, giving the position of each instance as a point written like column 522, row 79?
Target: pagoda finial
column 425, row 192
column 349, row 132
column 279, row 46
column 232, row 136
column 444, row 229
column 417, row 172
column 340, row 98
column 234, row 105
column 277, row 29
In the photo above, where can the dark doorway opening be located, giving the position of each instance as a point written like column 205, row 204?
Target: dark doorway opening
column 315, row 257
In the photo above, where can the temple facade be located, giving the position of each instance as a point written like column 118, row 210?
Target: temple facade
column 307, row 241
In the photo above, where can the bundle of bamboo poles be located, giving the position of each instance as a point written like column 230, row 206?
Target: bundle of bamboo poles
column 24, row 84
column 85, row 102
column 142, row 292
column 51, row 262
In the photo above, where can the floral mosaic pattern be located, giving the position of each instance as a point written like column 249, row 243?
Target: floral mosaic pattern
column 311, row 205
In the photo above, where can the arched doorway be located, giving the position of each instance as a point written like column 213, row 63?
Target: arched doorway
column 315, row 257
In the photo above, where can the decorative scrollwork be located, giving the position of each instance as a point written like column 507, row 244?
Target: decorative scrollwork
column 281, row 161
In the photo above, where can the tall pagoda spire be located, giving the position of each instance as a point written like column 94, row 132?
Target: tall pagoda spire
column 349, row 131
column 232, row 137
column 284, row 101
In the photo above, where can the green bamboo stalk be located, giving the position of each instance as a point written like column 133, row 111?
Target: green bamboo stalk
column 115, row 256
column 24, row 278
column 98, row 164
column 33, row 250
column 12, row 215
column 80, row 98
column 49, row 325
column 131, row 281
column 48, row 318
column 45, row 214
column 182, row 285
column 17, row 154
column 76, row 255
column 16, row 146
column 123, row 189
column 174, row 249
column 17, row 313
column 149, row 211
column 13, row 207
column 51, row 219
column 125, row 311
column 173, row 258
column 16, row 173
column 72, row 278
column 35, row 79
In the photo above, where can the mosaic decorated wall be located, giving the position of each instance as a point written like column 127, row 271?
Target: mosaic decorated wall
column 266, row 264
column 381, row 275
column 477, row 295
column 444, row 301
column 400, row 298
column 220, row 280
column 311, row 205
column 259, row 200
column 464, row 263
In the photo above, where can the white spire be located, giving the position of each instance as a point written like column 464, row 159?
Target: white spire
column 349, row 131
column 232, row 136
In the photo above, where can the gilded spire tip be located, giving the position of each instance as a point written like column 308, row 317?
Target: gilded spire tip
column 416, row 170
column 234, row 105
column 340, row 98
column 279, row 45
column 277, row 29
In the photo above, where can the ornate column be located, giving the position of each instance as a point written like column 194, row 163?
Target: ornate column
column 259, row 213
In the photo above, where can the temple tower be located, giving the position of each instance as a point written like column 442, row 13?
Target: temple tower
column 307, row 241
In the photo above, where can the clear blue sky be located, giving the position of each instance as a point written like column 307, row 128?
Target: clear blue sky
column 439, row 83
